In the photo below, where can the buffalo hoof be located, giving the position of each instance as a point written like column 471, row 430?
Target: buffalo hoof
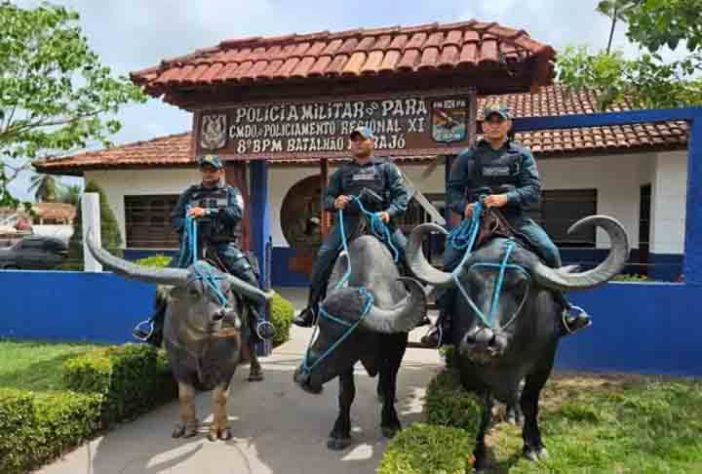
column 536, row 454
column 219, row 433
column 390, row 431
column 225, row 434
column 337, row 444
column 184, row 430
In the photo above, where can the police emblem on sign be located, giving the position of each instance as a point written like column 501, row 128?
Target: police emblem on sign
column 449, row 120
column 213, row 131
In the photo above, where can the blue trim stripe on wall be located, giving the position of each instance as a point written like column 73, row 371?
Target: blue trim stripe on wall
column 648, row 328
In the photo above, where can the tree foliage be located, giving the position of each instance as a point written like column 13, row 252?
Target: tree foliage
column 55, row 95
column 648, row 80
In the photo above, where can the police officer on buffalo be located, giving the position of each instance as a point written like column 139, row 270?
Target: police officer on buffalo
column 368, row 172
column 506, row 173
column 218, row 209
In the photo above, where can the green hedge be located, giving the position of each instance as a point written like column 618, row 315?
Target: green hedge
column 448, row 404
column 35, row 428
column 103, row 386
column 445, row 444
column 282, row 314
column 132, row 379
column 424, row 449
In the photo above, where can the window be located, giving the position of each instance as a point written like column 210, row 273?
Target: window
column 560, row 209
column 148, row 221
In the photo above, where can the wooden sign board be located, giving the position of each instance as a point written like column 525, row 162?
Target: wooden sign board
column 417, row 124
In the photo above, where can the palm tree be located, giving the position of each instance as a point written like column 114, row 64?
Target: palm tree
column 71, row 194
column 616, row 10
column 44, row 187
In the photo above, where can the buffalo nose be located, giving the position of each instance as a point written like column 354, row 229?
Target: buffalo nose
column 218, row 315
column 480, row 337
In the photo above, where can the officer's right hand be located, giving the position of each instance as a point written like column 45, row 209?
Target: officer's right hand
column 469, row 210
column 197, row 212
column 341, row 202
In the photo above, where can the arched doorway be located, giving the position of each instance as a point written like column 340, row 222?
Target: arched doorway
column 300, row 215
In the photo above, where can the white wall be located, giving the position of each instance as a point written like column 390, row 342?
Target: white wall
column 119, row 183
column 668, row 200
column 617, row 179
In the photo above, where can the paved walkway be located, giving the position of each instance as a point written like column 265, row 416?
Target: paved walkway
column 277, row 427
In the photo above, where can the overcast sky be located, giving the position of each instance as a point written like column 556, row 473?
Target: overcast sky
column 133, row 34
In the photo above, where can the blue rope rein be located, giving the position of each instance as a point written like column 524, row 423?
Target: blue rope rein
column 463, row 237
column 381, row 231
column 351, row 327
column 378, row 228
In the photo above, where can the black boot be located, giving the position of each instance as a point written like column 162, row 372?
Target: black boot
column 573, row 318
column 262, row 328
column 305, row 318
column 438, row 334
column 151, row 331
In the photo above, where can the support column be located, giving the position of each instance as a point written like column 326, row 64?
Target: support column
column 692, row 260
column 90, row 216
column 235, row 175
column 325, row 218
column 261, row 242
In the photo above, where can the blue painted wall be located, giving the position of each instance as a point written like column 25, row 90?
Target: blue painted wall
column 71, row 306
column 649, row 328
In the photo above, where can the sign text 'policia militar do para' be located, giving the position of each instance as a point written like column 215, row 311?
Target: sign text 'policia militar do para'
column 404, row 124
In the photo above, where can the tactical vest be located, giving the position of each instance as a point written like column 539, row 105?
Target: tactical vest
column 211, row 227
column 496, row 176
column 373, row 177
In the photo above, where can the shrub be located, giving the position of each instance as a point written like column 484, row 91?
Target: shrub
column 158, row 260
column 16, row 418
column 36, row 428
column 131, row 378
column 448, row 404
column 109, row 230
column 423, row 449
column 282, row 314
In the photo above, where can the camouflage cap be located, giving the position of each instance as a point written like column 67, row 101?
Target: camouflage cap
column 497, row 109
column 211, row 160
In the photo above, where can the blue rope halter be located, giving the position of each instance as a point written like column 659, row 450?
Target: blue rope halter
column 463, row 238
column 382, row 232
column 351, row 327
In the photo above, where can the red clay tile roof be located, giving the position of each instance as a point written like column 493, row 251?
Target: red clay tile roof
column 55, row 211
column 352, row 53
column 171, row 150
column 176, row 150
column 557, row 101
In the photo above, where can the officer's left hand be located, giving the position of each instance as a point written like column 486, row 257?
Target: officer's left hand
column 384, row 216
column 496, row 200
column 197, row 212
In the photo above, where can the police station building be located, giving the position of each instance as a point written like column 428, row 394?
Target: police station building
column 279, row 110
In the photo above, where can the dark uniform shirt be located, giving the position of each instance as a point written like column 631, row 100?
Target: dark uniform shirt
column 225, row 207
column 378, row 175
column 511, row 170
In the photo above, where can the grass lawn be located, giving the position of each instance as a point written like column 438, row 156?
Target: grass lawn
column 35, row 365
column 610, row 425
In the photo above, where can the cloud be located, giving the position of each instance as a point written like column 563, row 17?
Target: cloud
column 129, row 35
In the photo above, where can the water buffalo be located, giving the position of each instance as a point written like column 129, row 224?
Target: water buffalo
column 392, row 307
column 202, row 333
column 520, row 341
